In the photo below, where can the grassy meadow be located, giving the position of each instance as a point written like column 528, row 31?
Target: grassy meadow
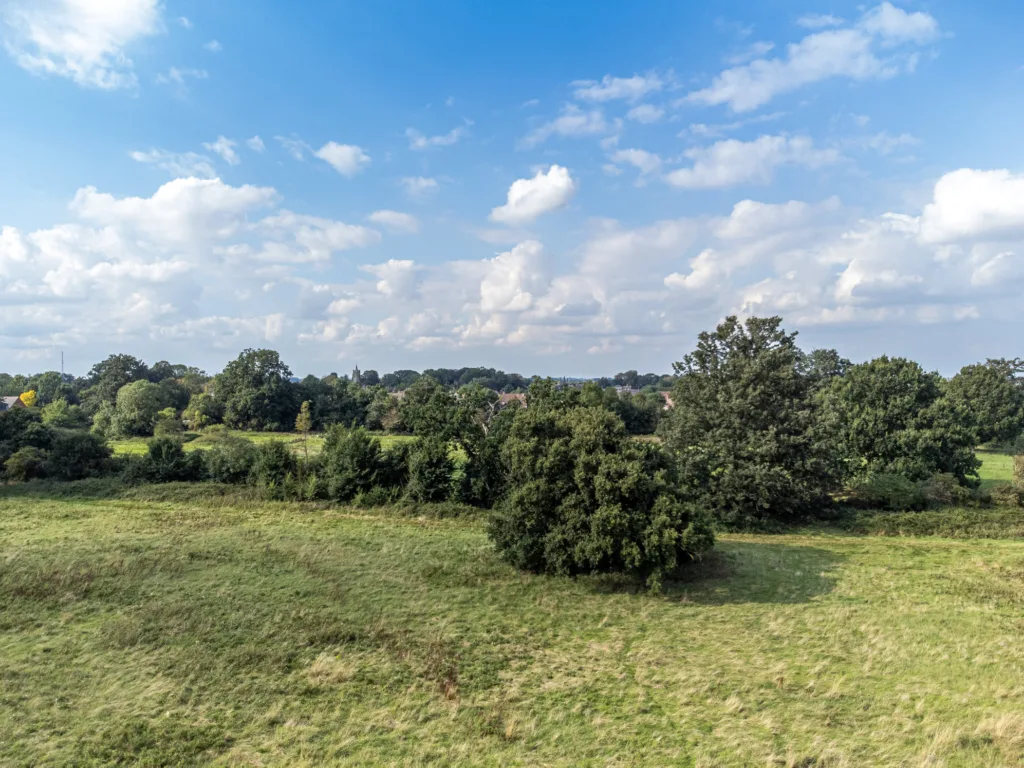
column 137, row 445
column 201, row 625
column 996, row 467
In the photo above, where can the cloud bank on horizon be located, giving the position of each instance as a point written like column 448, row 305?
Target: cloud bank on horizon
column 537, row 218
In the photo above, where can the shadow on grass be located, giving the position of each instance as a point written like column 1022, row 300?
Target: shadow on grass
column 744, row 572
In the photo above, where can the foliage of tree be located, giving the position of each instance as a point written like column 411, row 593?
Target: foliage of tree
column 230, row 460
column 585, row 498
column 892, row 417
column 430, row 470
column 203, row 411
column 382, row 412
column 429, row 409
column 483, row 480
column 25, row 464
column 50, row 386
column 167, row 462
column 29, row 398
column 137, row 407
column 273, row 465
column 168, row 424
column 349, row 461
column 303, row 425
column 174, row 393
column 335, row 400
column 823, row 365
column 75, row 454
column 59, row 413
column 993, row 397
column 256, row 392
column 745, row 426
column 399, row 380
column 21, row 427
column 109, row 376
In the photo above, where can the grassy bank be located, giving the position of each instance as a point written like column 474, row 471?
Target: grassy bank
column 184, row 626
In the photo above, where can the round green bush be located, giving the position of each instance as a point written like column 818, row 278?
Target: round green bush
column 585, row 498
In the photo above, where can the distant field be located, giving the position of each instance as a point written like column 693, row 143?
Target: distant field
column 995, row 468
column 137, row 445
column 196, row 625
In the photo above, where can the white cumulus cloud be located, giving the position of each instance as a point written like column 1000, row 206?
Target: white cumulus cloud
column 346, row 159
column 86, row 41
column 971, row 203
column 864, row 51
column 530, row 198
column 730, row 162
column 396, row 220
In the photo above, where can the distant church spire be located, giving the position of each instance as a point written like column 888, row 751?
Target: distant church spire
column 357, row 377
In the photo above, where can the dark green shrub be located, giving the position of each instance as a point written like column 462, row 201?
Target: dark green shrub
column 585, row 498
column 430, row 470
column 393, row 470
column 75, row 455
column 21, row 427
column 272, row 464
column 887, row 491
column 350, row 461
column 943, row 489
column 230, row 460
column 25, row 464
column 482, row 483
column 167, row 462
column 892, row 417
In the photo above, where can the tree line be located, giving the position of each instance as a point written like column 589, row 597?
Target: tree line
column 124, row 397
column 762, row 434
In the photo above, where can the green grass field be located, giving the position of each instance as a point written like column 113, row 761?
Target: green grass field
column 137, row 445
column 195, row 625
column 995, row 468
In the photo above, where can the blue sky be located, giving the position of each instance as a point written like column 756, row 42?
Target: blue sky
column 570, row 188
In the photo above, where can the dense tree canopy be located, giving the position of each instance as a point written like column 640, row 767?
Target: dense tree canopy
column 993, row 397
column 891, row 416
column 744, row 425
column 108, row 376
column 256, row 392
column 137, row 407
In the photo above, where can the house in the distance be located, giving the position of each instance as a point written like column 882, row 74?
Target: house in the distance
column 507, row 399
column 8, row 403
